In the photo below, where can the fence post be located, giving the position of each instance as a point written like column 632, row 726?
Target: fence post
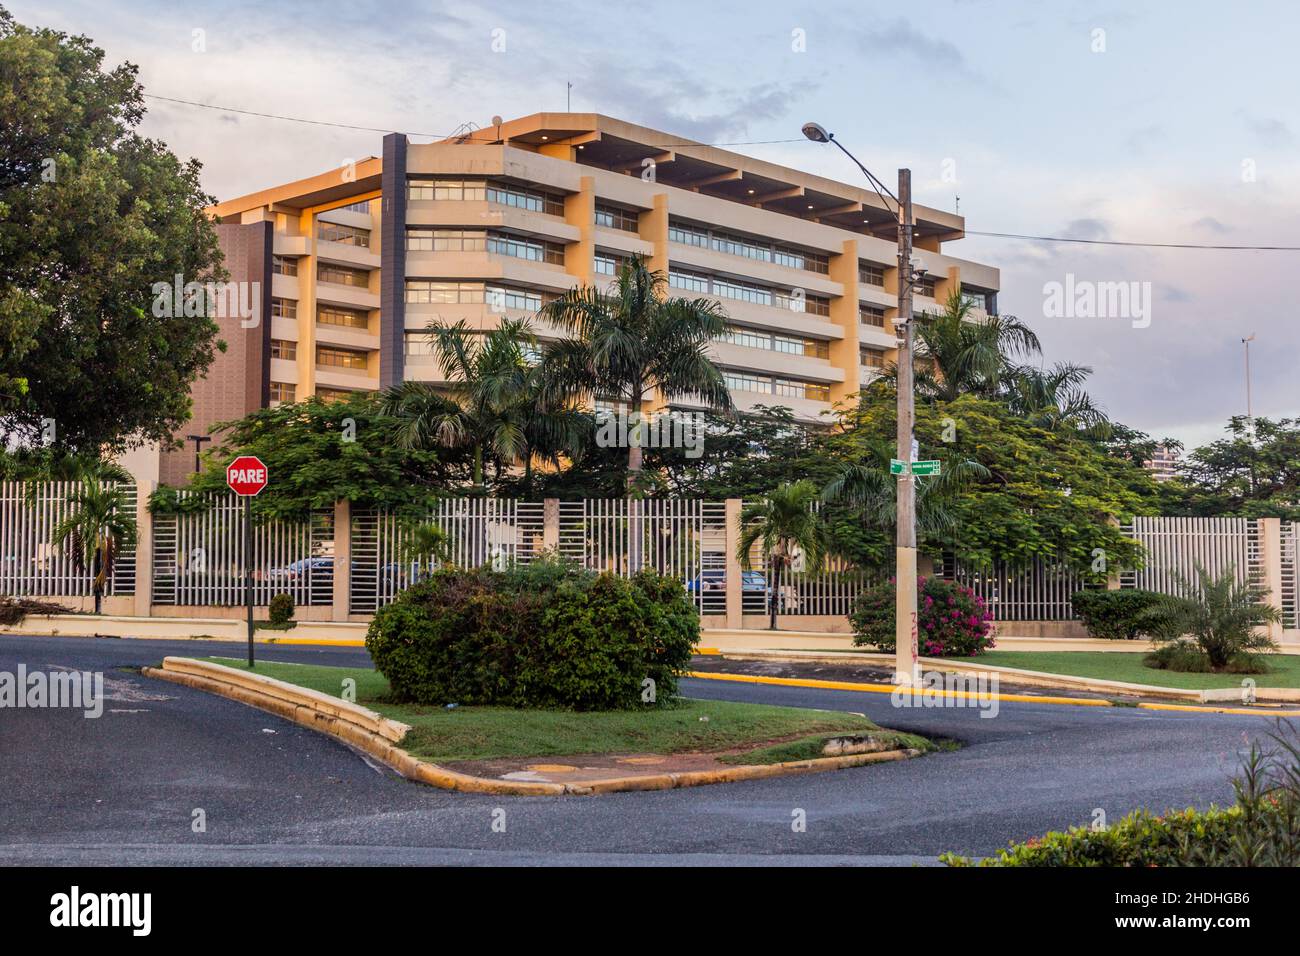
column 1112, row 572
column 551, row 524
column 735, row 583
column 143, row 548
column 342, row 602
column 1270, row 568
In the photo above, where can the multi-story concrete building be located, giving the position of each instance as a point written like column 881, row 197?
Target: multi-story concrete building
column 499, row 221
column 1164, row 465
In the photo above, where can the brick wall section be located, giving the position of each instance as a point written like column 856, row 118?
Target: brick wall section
column 238, row 380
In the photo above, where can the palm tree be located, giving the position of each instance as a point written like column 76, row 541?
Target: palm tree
column 489, row 402
column 626, row 341
column 1055, row 399
column 868, row 486
column 1219, row 615
column 423, row 544
column 99, row 526
column 784, row 524
column 957, row 353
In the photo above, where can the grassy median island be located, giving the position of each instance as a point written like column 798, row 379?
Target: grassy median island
column 1283, row 669
column 738, row 733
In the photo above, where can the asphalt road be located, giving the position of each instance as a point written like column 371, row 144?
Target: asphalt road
column 124, row 788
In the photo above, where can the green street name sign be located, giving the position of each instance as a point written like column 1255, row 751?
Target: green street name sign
column 897, row 467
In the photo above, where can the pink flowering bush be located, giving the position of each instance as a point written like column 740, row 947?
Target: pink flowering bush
column 952, row 620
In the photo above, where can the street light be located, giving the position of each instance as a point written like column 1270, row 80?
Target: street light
column 1250, row 419
column 905, row 626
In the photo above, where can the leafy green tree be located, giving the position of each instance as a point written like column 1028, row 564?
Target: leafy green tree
column 91, row 216
column 1248, row 474
column 100, row 525
column 784, row 524
column 622, row 344
column 319, row 452
column 1042, row 494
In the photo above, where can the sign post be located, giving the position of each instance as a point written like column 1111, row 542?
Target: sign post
column 246, row 476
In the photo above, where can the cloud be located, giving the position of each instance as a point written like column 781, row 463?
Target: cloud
column 900, row 39
column 1210, row 224
column 1269, row 131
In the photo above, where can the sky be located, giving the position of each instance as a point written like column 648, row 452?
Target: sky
column 1165, row 122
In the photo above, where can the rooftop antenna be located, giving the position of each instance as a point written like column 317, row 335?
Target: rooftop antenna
column 957, row 210
column 568, row 97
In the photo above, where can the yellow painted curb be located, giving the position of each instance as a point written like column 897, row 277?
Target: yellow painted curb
column 1252, row 711
column 890, row 688
column 379, row 736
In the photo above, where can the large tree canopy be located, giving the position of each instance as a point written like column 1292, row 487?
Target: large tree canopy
column 91, row 216
column 1249, row 473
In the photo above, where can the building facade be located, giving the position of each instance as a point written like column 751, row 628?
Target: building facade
column 497, row 222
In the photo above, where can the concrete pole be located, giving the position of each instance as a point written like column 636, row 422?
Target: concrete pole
column 905, row 624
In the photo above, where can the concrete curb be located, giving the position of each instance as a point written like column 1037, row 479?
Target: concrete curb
column 969, row 695
column 1279, row 695
column 379, row 736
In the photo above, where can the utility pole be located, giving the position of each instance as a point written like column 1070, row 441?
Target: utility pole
column 1250, row 418
column 905, row 624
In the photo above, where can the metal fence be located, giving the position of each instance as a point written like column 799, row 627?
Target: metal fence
column 1290, row 567
column 199, row 556
column 1176, row 546
column 31, row 563
column 1038, row 592
column 479, row 531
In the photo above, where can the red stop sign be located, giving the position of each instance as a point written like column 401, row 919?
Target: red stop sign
column 246, row 475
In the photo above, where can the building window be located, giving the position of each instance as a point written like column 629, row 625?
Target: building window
column 425, row 291
column 348, row 318
column 525, row 199
column 869, row 273
column 427, row 190
column 776, row 342
column 446, row 240
column 977, row 298
column 740, row 246
column 798, row 259
column 284, row 349
column 282, row 392
column 418, row 344
column 690, row 281
column 362, row 206
column 688, row 235
column 330, row 357
column 347, row 235
column 743, row 292
column 342, row 275
column 283, row 266
column 873, row 358
column 747, row 382
column 608, row 264
column 870, row 315
column 334, row 394
column 284, row 308
column 925, row 286
column 612, row 217
column 810, row 304
column 534, row 250
column 500, row 298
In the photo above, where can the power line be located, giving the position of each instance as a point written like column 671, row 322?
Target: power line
column 1143, row 245
column 376, row 129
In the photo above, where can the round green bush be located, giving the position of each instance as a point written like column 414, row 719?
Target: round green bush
column 280, row 610
column 541, row 635
column 952, row 620
column 1121, row 615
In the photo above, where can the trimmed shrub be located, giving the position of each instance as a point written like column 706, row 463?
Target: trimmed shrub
column 1122, row 615
column 952, row 621
column 280, row 610
column 540, row 635
column 1187, row 657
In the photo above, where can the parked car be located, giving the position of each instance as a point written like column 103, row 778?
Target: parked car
column 751, row 582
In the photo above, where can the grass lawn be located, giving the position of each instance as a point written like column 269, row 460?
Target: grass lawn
column 1106, row 665
column 484, row 733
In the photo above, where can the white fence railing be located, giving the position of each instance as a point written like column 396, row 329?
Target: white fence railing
column 199, row 557
column 31, row 563
column 1039, row 592
column 1176, row 546
column 479, row 531
column 1290, row 567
